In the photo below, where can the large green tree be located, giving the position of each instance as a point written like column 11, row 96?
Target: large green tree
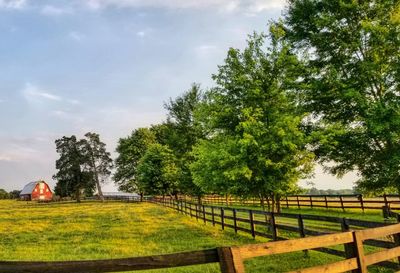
column 255, row 139
column 183, row 132
column 130, row 150
column 158, row 172
column 72, row 176
column 99, row 161
column 352, row 50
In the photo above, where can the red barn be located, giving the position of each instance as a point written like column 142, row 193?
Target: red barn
column 36, row 191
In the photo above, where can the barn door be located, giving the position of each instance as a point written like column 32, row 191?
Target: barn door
column 41, row 191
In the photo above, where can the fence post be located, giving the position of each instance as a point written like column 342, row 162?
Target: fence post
column 197, row 212
column 234, row 220
column 311, row 205
column 287, row 202
column 396, row 236
column 341, row 202
column 361, row 202
column 251, row 218
column 298, row 202
column 230, row 260
column 222, row 219
column 326, row 202
column 385, row 199
column 350, row 248
column 359, row 251
column 301, row 230
column 273, row 226
column 213, row 216
column 204, row 214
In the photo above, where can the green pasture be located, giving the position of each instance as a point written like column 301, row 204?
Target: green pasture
column 93, row 230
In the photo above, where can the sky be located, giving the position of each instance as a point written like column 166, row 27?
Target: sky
column 107, row 66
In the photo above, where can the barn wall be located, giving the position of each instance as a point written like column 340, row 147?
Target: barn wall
column 45, row 192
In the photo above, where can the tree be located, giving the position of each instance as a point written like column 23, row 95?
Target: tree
column 14, row 194
column 130, row 150
column 184, row 133
column 99, row 162
column 72, row 178
column 4, row 194
column 255, row 129
column 351, row 89
column 157, row 171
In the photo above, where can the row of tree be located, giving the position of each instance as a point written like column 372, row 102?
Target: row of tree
column 321, row 86
column 9, row 195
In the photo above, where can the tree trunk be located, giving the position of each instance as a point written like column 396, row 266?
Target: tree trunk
column 96, row 178
column 199, row 199
column 141, row 197
column 78, row 195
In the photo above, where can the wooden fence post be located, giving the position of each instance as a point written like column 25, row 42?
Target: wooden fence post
column 361, row 202
column 213, row 216
column 326, row 202
column 234, row 220
column 287, row 202
column 222, row 219
column 385, row 200
column 311, row 204
column 230, row 260
column 204, row 214
column 341, row 202
column 197, row 212
column 251, row 218
column 301, row 230
column 298, row 202
column 273, row 226
column 359, row 251
column 350, row 248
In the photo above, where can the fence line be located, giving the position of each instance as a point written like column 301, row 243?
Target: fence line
column 272, row 225
column 346, row 201
column 231, row 259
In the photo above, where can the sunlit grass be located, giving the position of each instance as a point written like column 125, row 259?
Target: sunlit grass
column 92, row 230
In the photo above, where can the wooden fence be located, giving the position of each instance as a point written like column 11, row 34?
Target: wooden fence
column 276, row 226
column 231, row 259
column 349, row 201
column 356, row 258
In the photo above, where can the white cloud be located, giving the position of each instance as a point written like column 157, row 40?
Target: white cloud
column 13, row 4
column 5, row 158
column 32, row 92
column 141, row 33
column 77, row 36
column 224, row 5
column 55, row 11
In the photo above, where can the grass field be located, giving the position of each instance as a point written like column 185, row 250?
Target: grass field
column 92, row 230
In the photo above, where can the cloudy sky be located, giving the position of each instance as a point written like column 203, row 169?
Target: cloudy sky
column 73, row 66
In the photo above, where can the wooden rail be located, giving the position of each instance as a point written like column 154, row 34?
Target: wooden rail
column 356, row 259
column 348, row 201
column 231, row 259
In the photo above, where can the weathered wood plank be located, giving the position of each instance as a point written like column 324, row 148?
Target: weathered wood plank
column 256, row 250
column 114, row 265
column 337, row 267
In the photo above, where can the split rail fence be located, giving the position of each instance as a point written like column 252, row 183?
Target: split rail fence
column 231, row 259
column 349, row 201
column 277, row 226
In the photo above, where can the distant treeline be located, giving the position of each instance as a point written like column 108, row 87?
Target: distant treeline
column 315, row 191
column 9, row 195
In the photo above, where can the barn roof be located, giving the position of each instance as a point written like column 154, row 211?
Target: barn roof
column 29, row 187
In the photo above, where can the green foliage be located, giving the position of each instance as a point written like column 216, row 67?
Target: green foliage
column 130, row 150
column 99, row 161
column 351, row 49
column 157, row 171
column 72, row 176
column 183, row 133
column 255, row 145
column 4, row 194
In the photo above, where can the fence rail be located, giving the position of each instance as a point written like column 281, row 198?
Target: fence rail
column 347, row 201
column 275, row 225
column 231, row 259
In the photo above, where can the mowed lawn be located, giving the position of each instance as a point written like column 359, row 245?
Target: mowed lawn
column 93, row 230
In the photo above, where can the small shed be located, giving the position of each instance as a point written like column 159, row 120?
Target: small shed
column 36, row 191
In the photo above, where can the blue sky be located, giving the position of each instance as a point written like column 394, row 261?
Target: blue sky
column 107, row 66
